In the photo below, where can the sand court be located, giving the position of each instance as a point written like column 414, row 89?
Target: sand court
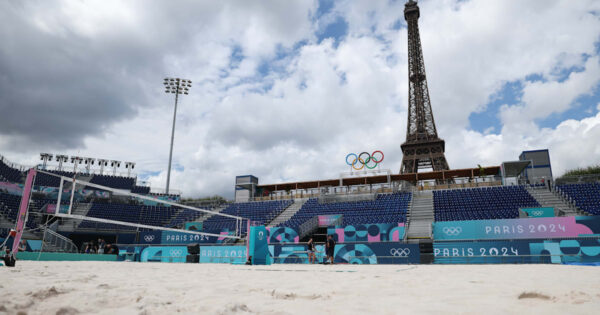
column 159, row 288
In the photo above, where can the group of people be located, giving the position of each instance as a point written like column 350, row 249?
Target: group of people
column 101, row 247
column 329, row 250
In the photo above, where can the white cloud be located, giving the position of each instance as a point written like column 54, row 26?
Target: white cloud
column 298, row 123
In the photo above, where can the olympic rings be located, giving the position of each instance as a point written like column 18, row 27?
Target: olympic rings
column 364, row 158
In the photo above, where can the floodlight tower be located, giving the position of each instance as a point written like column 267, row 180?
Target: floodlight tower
column 61, row 158
column 102, row 163
column 176, row 86
column 76, row 160
column 129, row 166
column 114, row 164
column 45, row 157
column 88, row 163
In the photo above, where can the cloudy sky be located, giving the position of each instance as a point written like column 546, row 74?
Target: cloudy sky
column 285, row 89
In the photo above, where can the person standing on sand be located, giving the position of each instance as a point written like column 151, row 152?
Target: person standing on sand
column 330, row 246
column 311, row 251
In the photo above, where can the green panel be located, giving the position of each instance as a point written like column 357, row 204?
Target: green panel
column 64, row 257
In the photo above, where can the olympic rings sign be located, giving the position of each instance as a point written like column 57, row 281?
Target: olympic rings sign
column 400, row 252
column 452, row 230
column 365, row 160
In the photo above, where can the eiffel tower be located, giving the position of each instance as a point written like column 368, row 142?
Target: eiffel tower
column 422, row 148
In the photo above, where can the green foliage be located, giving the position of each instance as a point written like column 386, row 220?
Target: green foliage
column 215, row 198
column 590, row 170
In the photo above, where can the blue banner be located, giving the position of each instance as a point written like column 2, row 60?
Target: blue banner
column 193, row 226
column 152, row 237
column 584, row 250
column 164, row 254
column 377, row 253
column 527, row 228
column 223, row 254
column 258, row 246
column 169, row 237
column 479, row 252
column 545, row 212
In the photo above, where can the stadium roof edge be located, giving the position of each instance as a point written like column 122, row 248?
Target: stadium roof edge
column 381, row 179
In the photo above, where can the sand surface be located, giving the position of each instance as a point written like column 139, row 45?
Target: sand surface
column 161, row 288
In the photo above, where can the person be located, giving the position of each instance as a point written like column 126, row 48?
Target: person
column 330, row 246
column 101, row 246
column 9, row 260
column 23, row 246
column 311, row 251
column 111, row 249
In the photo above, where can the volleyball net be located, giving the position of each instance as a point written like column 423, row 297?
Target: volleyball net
column 94, row 206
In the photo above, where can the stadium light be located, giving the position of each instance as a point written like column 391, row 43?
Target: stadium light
column 175, row 86
column 129, row 166
column 114, row 164
column 88, row 163
column 61, row 158
column 45, row 157
column 102, row 163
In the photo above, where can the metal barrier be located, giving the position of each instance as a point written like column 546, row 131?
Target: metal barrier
column 59, row 242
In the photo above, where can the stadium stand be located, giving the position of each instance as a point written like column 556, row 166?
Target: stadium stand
column 481, row 203
column 586, row 196
column 259, row 211
column 386, row 208
column 10, row 174
column 149, row 215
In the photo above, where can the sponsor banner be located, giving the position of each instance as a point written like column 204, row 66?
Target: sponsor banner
column 150, row 237
column 223, row 254
column 51, row 208
column 327, row 220
column 280, row 235
column 377, row 253
column 193, row 226
column 545, row 212
column 164, row 254
column 290, row 254
column 479, row 252
column 584, row 250
column 382, row 232
column 170, row 238
column 527, row 228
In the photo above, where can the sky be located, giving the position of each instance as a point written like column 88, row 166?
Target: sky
column 284, row 90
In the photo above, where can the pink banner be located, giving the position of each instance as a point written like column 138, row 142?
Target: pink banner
column 23, row 210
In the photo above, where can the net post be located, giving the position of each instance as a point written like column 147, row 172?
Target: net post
column 60, row 189
column 72, row 195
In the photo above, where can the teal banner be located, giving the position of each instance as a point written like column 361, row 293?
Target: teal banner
column 546, row 212
column 259, row 248
column 223, row 254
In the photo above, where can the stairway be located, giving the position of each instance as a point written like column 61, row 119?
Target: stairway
column 547, row 198
column 288, row 212
column 420, row 216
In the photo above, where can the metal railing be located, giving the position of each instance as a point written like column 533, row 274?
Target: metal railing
column 307, row 227
column 59, row 242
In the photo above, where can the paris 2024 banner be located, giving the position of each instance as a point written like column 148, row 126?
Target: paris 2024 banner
column 528, row 228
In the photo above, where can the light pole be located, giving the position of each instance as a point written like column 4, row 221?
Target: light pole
column 176, row 86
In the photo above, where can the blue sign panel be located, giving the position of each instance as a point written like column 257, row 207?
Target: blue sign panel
column 164, row 254
column 527, row 228
column 223, row 254
column 152, row 237
column 169, row 237
column 479, row 252
column 545, row 212
column 584, row 250
column 377, row 253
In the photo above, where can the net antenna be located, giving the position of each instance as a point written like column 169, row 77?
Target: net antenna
column 120, row 192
